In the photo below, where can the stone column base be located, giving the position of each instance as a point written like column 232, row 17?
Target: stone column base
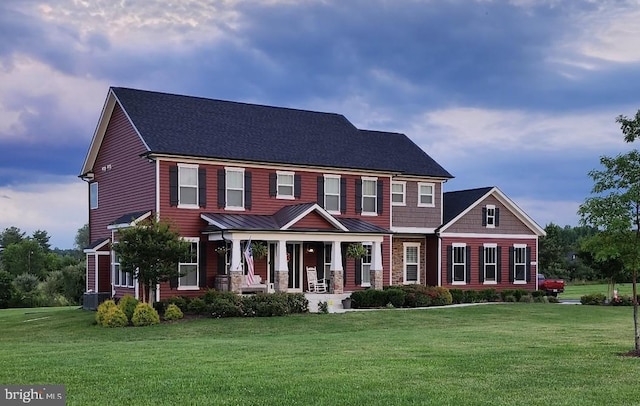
column 337, row 284
column 235, row 281
column 376, row 279
column 281, row 283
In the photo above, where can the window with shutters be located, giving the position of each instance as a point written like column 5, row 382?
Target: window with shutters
column 332, row 194
column 490, row 252
column 459, row 264
column 398, row 196
column 411, row 263
column 519, row 263
column 187, row 185
column 365, row 265
column 491, row 216
column 285, row 185
column 189, row 275
column 234, row 188
column 369, row 196
column 426, row 195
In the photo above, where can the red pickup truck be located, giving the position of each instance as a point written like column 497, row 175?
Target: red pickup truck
column 551, row 286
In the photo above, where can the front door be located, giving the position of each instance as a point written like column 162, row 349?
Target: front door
column 294, row 262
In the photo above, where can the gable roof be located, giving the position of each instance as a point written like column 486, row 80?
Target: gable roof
column 199, row 127
column 457, row 203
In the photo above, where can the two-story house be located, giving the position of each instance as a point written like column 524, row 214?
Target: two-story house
column 306, row 184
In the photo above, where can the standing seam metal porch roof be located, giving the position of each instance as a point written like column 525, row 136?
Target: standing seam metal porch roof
column 199, row 127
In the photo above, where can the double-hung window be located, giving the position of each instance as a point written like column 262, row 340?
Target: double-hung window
column 491, row 216
column 490, row 263
column 459, row 264
column 234, row 182
column 187, row 185
column 189, row 274
column 369, row 196
column 426, row 195
column 411, row 263
column 120, row 277
column 398, row 193
column 332, row 193
column 519, row 263
column 285, row 185
column 366, row 265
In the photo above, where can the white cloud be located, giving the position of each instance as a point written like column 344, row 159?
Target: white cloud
column 543, row 212
column 59, row 207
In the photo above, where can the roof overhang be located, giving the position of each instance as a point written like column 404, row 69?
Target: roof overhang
column 134, row 218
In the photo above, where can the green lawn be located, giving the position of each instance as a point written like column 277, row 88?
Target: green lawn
column 498, row 354
column 577, row 291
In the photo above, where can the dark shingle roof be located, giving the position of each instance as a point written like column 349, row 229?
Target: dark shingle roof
column 458, row 201
column 194, row 126
column 129, row 217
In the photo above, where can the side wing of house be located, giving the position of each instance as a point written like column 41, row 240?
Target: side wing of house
column 487, row 242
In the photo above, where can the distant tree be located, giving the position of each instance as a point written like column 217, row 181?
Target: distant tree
column 42, row 238
column 82, row 238
column 553, row 253
column 6, row 289
column 151, row 250
column 11, row 235
column 26, row 256
column 630, row 126
column 614, row 208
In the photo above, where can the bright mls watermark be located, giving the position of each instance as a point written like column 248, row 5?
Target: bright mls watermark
column 50, row 395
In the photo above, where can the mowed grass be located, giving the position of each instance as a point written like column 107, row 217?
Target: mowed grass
column 577, row 291
column 497, row 354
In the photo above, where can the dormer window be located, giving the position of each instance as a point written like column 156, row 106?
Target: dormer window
column 490, row 216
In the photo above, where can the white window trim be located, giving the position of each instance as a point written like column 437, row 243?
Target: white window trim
column 188, row 205
column 491, row 207
column 366, row 284
column 485, row 281
column 91, row 186
column 453, row 273
column 122, row 275
column 513, row 271
column 197, row 263
column 293, row 185
column 404, row 193
column 433, row 194
column 332, row 194
column 226, row 189
column 404, row 263
column 375, row 196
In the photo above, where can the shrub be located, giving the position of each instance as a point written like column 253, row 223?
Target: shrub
column 538, row 293
column 440, row 296
column 73, row 282
column 197, row 306
column 510, row 298
column 369, row 298
column 6, row 289
column 396, row 297
column 594, row 299
column 297, row 303
column 540, row 299
column 173, row 312
column 179, row 301
column 161, row 306
column 518, row 293
column 265, row 305
column 526, row 299
column 145, row 315
column 103, row 308
column 323, row 307
column 115, row 317
column 128, row 305
column 417, row 295
column 552, row 299
column 621, row 301
column 457, row 295
column 223, row 306
column 471, row 296
column 490, row 295
column 506, row 293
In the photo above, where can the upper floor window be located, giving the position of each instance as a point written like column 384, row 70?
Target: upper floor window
column 189, row 275
column 234, row 181
column 426, row 195
column 93, row 195
column 398, row 193
column 187, row 185
column 332, row 193
column 369, row 196
column 411, row 263
column 490, row 216
column 285, row 185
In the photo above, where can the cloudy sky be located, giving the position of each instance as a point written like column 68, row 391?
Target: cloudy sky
column 520, row 94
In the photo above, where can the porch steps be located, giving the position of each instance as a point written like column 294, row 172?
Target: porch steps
column 334, row 301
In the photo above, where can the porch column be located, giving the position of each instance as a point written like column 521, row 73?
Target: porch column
column 236, row 272
column 337, row 278
column 281, row 274
column 376, row 265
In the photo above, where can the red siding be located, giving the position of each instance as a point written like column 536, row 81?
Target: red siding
column 474, row 244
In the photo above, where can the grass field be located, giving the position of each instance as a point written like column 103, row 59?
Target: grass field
column 498, row 354
column 576, row 291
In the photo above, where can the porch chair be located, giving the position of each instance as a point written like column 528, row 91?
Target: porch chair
column 315, row 285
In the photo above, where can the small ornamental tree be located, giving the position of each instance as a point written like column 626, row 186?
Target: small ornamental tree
column 151, row 250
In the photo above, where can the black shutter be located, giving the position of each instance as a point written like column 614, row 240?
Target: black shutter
column 320, row 199
column 173, row 282
column 221, row 188
column 468, row 264
column 358, row 196
column 297, row 186
column 481, row 264
column 511, row 254
column 273, row 184
column 320, row 261
column 222, row 264
column 497, row 219
column 380, row 196
column 484, row 216
column 202, row 187
column 173, row 185
column 449, row 264
column 358, row 271
column 343, row 249
column 247, row 190
column 528, row 265
column 343, row 195
column 203, row 265
column 499, row 264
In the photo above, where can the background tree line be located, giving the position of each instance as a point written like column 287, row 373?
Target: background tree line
column 33, row 274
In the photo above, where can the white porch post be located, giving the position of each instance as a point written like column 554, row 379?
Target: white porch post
column 281, row 274
column 236, row 272
column 337, row 273
column 376, row 265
